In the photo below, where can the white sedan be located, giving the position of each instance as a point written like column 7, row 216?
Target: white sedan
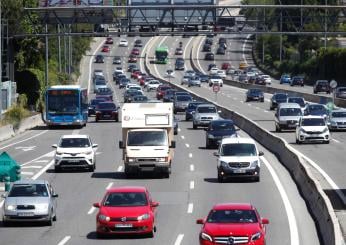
column 123, row 43
column 267, row 79
column 221, row 73
column 153, row 85
column 213, row 70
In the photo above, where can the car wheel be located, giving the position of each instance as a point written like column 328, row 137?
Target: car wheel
column 262, row 100
column 92, row 168
column 50, row 221
column 151, row 234
column 220, row 178
column 100, row 235
column 55, row 218
column 315, row 92
column 207, row 145
column 271, row 108
column 256, row 179
column 5, row 223
column 96, row 119
column 298, row 142
column 57, row 169
column 326, row 142
column 186, row 119
column 175, row 111
column 194, row 126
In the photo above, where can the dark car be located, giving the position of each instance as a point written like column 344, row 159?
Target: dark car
column 276, row 99
column 222, row 40
column 217, row 130
column 298, row 100
column 258, row 80
column 206, row 47
column 117, row 60
column 223, row 45
column 340, row 92
column 99, row 59
column 221, row 50
column 204, row 78
column 106, row 92
column 181, row 102
column 139, row 98
column 130, row 93
column 316, row 110
column 211, row 66
column 109, row 40
column 123, row 82
column 254, row 94
column 107, row 111
column 131, row 67
column 169, row 95
column 190, row 109
column 117, row 76
column 132, row 58
column 92, row 105
column 138, row 43
column 175, row 125
column 322, row 86
column 209, row 41
column 180, row 64
column 297, row 81
column 178, row 51
column 209, row 56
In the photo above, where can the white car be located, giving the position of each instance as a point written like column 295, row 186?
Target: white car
column 75, row 151
column 267, row 79
column 213, row 71
column 153, row 85
column 312, row 129
column 221, row 73
column 133, row 86
column 238, row 158
column 123, row 43
column 215, row 79
column 119, row 69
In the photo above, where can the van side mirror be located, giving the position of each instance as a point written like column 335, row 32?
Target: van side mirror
column 121, row 144
column 55, row 146
column 172, row 144
column 216, row 154
column 260, row 153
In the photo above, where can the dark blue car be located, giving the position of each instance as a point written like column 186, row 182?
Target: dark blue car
column 217, row 130
column 92, row 105
column 190, row 109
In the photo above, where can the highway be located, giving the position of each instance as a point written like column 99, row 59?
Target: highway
column 188, row 194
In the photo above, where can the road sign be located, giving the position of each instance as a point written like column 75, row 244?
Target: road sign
column 333, row 84
column 216, row 87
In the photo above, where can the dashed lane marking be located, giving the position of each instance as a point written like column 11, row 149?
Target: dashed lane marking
column 109, row 185
column 190, row 155
column 15, row 143
column 91, row 210
column 192, row 167
column 335, row 140
column 187, row 145
column 192, row 184
column 183, row 137
column 179, row 239
column 64, row 240
column 190, row 208
column 27, row 173
column 37, row 167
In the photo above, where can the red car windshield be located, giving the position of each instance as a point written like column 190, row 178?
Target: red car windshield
column 125, row 199
column 232, row 216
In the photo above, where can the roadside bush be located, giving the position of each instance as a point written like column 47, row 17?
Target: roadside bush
column 15, row 114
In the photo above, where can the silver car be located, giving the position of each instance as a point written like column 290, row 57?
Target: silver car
column 181, row 102
column 337, row 119
column 287, row 116
column 204, row 114
column 194, row 81
column 30, row 201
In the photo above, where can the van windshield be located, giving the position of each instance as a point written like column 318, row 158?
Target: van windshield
column 147, row 138
column 243, row 149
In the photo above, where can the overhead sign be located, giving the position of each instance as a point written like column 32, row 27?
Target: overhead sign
column 333, row 84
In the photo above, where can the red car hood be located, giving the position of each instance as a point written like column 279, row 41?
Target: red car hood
column 247, row 229
column 124, row 211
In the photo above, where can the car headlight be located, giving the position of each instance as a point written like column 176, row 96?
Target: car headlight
column 224, row 164
column 254, row 163
column 130, row 159
column 206, row 237
column 325, row 130
column 302, row 131
column 58, row 153
column 256, row 236
column 42, row 206
column 143, row 217
column 162, row 159
column 89, row 152
column 10, row 207
column 103, row 217
column 210, row 136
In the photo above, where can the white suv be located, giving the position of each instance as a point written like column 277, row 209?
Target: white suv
column 312, row 128
column 75, row 151
column 238, row 157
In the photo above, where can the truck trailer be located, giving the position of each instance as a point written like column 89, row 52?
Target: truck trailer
column 147, row 138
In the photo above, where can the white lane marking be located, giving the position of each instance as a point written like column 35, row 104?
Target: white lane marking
column 183, row 137
column 26, row 167
column 109, row 185
column 25, row 148
column 258, row 108
column 190, row 155
column 292, row 222
column 90, row 64
column 120, row 169
column 243, row 48
column 266, row 111
column 26, row 173
column 91, row 210
column 185, row 49
column 41, row 161
column 65, row 240
column 49, row 154
column 190, row 208
column 187, row 145
column 192, row 167
column 198, row 52
column 15, row 143
column 43, row 170
column 179, row 129
column 179, row 239
column 75, row 131
column 192, row 185
column 336, row 141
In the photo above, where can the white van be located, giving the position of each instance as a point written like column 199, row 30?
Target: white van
column 287, row 116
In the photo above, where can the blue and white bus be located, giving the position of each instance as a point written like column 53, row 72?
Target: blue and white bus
column 66, row 105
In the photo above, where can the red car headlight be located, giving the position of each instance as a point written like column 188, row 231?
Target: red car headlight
column 256, row 236
column 143, row 217
column 103, row 217
column 206, row 237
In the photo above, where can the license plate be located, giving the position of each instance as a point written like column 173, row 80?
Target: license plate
column 106, row 115
column 123, row 225
column 73, row 160
column 25, row 214
column 239, row 171
column 256, row 98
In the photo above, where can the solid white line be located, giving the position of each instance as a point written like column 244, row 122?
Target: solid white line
column 192, row 185
column 243, row 48
column 192, row 167
column 45, row 155
column 335, row 140
column 183, row 137
column 179, row 129
column 190, row 155
column 190, row 208
column 266, row 111
column 41, row 161
column 179, row 239
column 15, row 143
column 43, row 170
column 90, row 64
column 109, row 185
column 292, row 222
column 65, row 240
column 187, row 145
column 91, row 210
column 120, row 169
column 185, row 49
column 26, row 167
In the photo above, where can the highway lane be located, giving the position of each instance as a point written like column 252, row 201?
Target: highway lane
column 162, row 69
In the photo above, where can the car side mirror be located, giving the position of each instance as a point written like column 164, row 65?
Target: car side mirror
column 121, row 144
column 265, row 221
column 55, row 146
column 193, row 112
column 95, row 145
column 172, row 144
column 237, row 129
column 3, row 195
column 55, row 195
column 200, row 221
column 219, row 111
column 260, row 153
column 96, row 205
column 154, row 204
column 206, row 129
column 216, row 154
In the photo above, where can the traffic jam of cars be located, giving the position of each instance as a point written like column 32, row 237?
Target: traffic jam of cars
column 148, row 143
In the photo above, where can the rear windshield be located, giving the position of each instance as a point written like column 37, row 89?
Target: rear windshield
column 281, row 96
column 243, row 149
column 125, row 199
column 184, row 98
column 232, row 216
column 222, row 125
column 110, row 106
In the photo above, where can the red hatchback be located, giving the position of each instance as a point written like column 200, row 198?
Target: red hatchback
column 109, row 40
column 126, row 210
column 225, row 66
column 135, row 51
column 233, row 223
column 105, row 49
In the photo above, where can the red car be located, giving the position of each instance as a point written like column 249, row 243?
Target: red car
column 126, row 210
column 233, row 223
column 160, row 92
column 135, row 74
column 226, row 66
column 135, row 51
column 109, row 40
column 105, row 49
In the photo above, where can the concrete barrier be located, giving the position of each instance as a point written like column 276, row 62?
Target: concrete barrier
column 310, row 189
column 6, row 132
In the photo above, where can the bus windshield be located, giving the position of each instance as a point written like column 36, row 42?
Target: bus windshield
column 63, row 101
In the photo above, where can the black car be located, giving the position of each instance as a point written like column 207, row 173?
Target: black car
column 179, row 64
column 322, row 86
column 204, row 78
column 254, row 94
column 107, row 111
column 211, row 66
column 105, row 92
column 276, row 99
column 123, row 82
column 131, row 67
column 206, row 47
column 209, row 41
column 297, row 81
column 138, row 43
column 217, row 130
column 223, row 45
column 99, row 59
column 130, row 93
column 316, row 110
column 169, row 95
column 190, row 109
column 209, row 56
column 222, row 40
column 139, row 99
column 92, row 105
column 221, row 51
column 117, row 60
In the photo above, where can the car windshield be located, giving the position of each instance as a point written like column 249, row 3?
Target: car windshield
column 28, row 190
column 313, row 122
column 339, row 114
column 238, row 149
column 290, row 112
column 109, row 106
column 183, row 98
column 222, row 125
column 140, row 98
column 322, row 83
column 206, row 109
column 125, row 199
column 232, row 216
column 215, row 77
column 317, row 108
column 74, row 142
column 342, row 90
column 147, row 138
column 104, row 90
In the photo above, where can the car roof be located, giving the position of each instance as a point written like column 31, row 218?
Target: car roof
column 127, row 189
column 238, row 206
column 289, row 105
column 31, row 181
column 73, row 136
column 237, row 140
